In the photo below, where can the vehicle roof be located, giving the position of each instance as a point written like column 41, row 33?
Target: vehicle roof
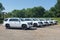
column 12, row 18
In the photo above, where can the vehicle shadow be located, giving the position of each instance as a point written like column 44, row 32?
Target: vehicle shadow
column 22, row 29
column 43, row 26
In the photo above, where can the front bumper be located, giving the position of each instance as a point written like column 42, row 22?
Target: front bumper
column 40, row 24
column 29, row 26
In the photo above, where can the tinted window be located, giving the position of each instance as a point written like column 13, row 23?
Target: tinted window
column 27, row 19
column 5, row 19
column 13, row 20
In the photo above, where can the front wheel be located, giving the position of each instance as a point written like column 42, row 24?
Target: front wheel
column 7, row 26
column 24, row 27
column 35, row 25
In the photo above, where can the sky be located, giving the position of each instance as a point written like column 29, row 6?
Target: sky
column 20, row 4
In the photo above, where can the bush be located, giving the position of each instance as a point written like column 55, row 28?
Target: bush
column 1, row 21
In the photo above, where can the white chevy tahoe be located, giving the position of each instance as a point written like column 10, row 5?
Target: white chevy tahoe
column 44, row 22
column 52, row 21
column 17, row 23
column 36, row 22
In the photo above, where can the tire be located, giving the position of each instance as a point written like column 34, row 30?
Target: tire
column 24, row 26
column 35, row 25
column 7, row 26
column 55, row 23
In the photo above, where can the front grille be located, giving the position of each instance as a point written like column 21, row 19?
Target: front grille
column 46, row 22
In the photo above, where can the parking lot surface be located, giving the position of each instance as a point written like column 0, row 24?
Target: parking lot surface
column 46, row 33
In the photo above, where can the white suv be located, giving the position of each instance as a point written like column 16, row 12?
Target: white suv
column 17, row 23
column 44, row 22
column 36, row 22
column 52, row 21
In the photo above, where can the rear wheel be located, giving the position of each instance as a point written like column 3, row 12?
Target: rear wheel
column 24, row 26
column 7, row 26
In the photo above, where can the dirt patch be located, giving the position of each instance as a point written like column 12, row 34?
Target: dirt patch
column 46, row 33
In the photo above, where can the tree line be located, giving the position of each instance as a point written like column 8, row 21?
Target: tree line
column 35, row 12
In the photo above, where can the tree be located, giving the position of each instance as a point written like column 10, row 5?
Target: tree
column 28, row 12
column 47, row 14
column 53, row 11
column 9, row 14
column 58, row 13
column 57, row 6
column 18, row 13
column 1, row 7
column 38, row 11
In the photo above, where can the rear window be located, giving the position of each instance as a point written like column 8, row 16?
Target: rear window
column 5, row 19
column 13, row 20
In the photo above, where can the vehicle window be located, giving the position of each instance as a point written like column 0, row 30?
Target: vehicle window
column 41, row 20
column 5, row 19
column 13, row 20
column 27, row 19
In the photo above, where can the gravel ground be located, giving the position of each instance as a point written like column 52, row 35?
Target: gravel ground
column 46, row 33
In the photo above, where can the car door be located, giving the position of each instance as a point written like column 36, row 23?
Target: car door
column 14, row 22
